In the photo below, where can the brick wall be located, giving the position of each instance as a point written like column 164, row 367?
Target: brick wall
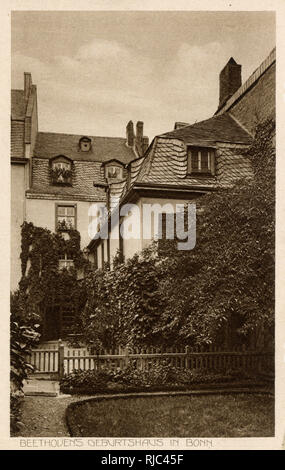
column 258, row 103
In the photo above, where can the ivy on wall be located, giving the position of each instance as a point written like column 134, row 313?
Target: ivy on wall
column 43, row 285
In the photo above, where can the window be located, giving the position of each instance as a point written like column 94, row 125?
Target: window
column 166, row 232
column 114, row 172
column 201, row 160
column 85, row 144
column 65, row 217
column 168, row 225
column 65, row 262
column 61, row 171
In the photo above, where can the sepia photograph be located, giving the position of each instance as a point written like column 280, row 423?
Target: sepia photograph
column 142, row 239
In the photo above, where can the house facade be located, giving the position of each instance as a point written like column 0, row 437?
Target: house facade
column 56, row 178
column 182, row 165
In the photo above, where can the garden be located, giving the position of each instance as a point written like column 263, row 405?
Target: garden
column 221, row 293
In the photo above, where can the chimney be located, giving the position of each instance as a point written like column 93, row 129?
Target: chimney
column 230, row 80
column 27, row 84
column 145, row 144
column 130, row 134
column 139, row 131
column 179, row 125
column 139, row 138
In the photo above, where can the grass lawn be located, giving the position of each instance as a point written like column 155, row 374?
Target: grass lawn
column 241, row 415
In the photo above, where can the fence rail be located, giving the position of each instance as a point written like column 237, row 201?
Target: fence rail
column 65, row 360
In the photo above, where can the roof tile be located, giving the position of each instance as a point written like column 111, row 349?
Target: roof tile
column 50, row 144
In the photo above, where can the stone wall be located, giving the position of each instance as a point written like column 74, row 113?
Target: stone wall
column 258, row 103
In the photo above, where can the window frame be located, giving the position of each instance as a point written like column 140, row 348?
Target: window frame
column 61, row 160
column 61, row 204
column 120, row 168
column 211, row 156
column 65, row 259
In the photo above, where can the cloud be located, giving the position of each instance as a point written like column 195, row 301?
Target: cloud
column 106, row 81
column 102, row 49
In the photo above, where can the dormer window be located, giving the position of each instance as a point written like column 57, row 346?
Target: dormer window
column 61, row 171
column 85, row 144
column 201, row 160
column 113, row 170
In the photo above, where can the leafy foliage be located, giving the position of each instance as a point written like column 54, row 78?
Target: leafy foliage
column 123, row 305
column 222, row 291
column 60, row 175
column 43, row 285
column 226, row 284
column 157, row 377
column 24, row 336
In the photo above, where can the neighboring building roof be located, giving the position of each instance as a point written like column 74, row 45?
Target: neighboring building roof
column 216, row 129
column 49, row 144
column 18, row 105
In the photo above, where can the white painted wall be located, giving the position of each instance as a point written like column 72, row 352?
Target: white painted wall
column 41, row 212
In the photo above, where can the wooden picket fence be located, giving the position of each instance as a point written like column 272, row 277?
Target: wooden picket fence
column 64, row 360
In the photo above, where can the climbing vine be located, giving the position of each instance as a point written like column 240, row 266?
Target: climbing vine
column 44, row 285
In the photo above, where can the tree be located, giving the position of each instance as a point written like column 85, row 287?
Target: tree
column 226, row 284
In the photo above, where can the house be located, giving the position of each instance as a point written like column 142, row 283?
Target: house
column 59, row 181
column 57, row 177
column 187, row 162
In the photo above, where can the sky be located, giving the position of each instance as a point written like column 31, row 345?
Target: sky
column 95, row 71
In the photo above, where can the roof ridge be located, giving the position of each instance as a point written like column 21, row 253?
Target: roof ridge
column 192, row 125
column 78, row 135
column 150, row 155
column 238, row 122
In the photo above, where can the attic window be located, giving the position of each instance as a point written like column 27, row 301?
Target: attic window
column 201, row 160
column 114, row 172
column 85, row 144
column 61, row 171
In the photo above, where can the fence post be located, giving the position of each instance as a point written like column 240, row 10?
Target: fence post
column 126, row 354
column 60, row 359
column 187, row 357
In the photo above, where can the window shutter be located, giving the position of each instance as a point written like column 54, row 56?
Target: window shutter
column 213, row 162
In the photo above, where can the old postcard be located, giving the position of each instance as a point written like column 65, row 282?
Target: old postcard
column 142, row 235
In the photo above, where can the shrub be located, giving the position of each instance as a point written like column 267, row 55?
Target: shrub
column 23, row 337
column 157, row 377
column 89, row 380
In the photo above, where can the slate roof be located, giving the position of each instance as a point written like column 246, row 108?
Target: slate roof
column 83, row 178
column 49, row 144
column 221, row 128
column 167, row 164
column 18, row 105
column 116, row 191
